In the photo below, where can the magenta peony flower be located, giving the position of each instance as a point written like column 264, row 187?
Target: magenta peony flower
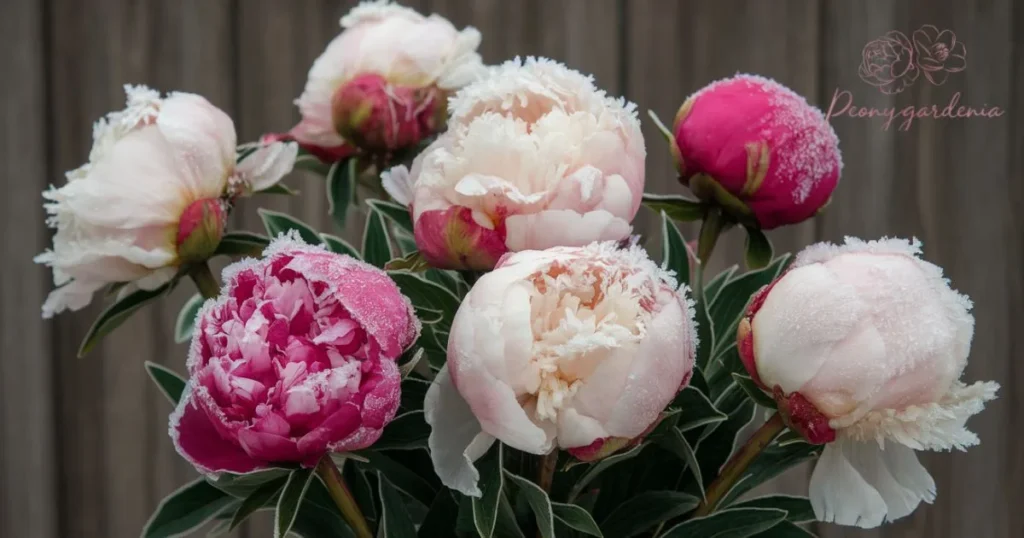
column 757, row 149
column 295, row 358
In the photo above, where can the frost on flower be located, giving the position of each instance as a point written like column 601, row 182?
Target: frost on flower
column 561, row 348
column 150, row 197
column 535, row 156
column 864, row 345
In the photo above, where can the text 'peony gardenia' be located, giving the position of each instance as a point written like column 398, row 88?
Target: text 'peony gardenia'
column 382, row 84
column 295, row 358
column 757, row 149
column 153, row 195
column 563, row 348
column 863, row 346
column 535, row 156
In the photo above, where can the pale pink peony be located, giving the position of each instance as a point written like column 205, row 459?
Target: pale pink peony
column 573, row 348
column 381, row 85
column 863, row 346
column 535, row 156
column 758, row 149
column 296, row 358
column 151, row 197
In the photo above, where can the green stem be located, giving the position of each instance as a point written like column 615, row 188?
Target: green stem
column 343, row 497
column 546, row 474
column 738, row 464
column 205, row 281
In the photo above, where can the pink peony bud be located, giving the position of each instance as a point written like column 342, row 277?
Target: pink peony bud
column 863, row 346
column 757, row 149
column 296, row 358
column 535, row 156
column 200, row 228
column 574, row 348
column 379, row 116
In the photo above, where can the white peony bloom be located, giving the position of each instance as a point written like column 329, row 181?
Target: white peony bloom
column 150, row 196
column 863, row 346
column 566, row 347
column 535, row 156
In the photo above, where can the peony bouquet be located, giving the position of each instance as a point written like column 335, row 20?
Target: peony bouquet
column 500, row 356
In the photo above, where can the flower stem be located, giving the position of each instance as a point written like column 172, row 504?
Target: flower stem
column 738, row 464
column 205, row 281
column 343, row 497
column 546, row 472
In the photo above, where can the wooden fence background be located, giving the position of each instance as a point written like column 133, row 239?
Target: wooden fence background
column 84, row 450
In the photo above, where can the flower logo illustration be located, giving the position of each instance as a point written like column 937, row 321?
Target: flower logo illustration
column 893, row 62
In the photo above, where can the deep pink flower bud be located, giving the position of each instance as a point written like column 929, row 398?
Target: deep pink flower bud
column 295, row 359
column 757, row 149
column 200, row 228
column 379, row 116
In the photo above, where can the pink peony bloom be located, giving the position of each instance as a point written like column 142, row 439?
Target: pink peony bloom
column 296, row 358
column 535, row 156
column 863, row 346
column 574, row 348
column 757, row 149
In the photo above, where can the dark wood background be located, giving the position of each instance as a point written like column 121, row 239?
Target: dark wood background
column 84, row 450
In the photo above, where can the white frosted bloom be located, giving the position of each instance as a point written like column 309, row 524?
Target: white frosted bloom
column 117, row 217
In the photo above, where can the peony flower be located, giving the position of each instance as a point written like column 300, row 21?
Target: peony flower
column 151, row 197
column 889, row 63
column 570, row 348
column 296, row 358
column 757, row 149
column 863, row 346
column 382, row 84
column 535, row 156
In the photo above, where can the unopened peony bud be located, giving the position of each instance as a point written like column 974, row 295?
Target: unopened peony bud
column 295, row 359
column 863, row 346
column 378, row 116
column 535, row 156
column 572, row 348
column 200, row 228
column 758, row 150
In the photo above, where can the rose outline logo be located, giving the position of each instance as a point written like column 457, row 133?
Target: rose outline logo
column 893, row 62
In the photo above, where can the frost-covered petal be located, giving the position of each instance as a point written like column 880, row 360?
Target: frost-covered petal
column 268, row 164
column 557, row 227
column 200, row 443
column 456, row 438
column 203, row 140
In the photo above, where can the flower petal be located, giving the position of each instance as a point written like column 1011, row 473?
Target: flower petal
column 203, row 140
column 268, row 164
column 456, row 438
column 563, row 227
column 199, row 442
column 839, row 494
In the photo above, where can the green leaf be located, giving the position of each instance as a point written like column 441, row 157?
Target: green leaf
column 186, row 509
column 696, row 409
column 717, row 445
column 442, row 516
column 187, row 318
column 798, row 509
column 674, row 206
column 376, row 244
column 319, row 516
column 288, row 503
column 713, row 286
column 341, row 188
column 428, row 316
column 675, row 442
column 407, row 366
column 674, row 250
column 338, row 245
column 506, row 526
column 576, row 517
column 413, row 262
column 408, row 431
column 661, row 127
column 770, row 463
column 256, row 500
column 119, row 312
column 539, row 504
column 731, row 302
column 220, row 529
column 277, row 223
column 705, row 333
column 278, row 188
column 242, row 485
column 242, row 244
column 755, row 392
column 647, row 510
column 600, row 466
column 398, row 213
column 394, row 521
column 359, row 484
column 403, row 478
column 167, row 380
column 731, row 523
column 425, row 293
column 786, row 530
column 485, row 508
column 758, row 251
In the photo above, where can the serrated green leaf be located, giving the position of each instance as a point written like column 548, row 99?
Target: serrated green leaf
column 539, row 503
column 731, row 523
column 600, row 466
column 758, row 250
column 405, row 479
column 798, row 509
column 186, row 318
column 676, row 257
column 119, row 312
column 376, row 243
column 341, row 188
column 576, row 517
column 277, row 223
column 290, row 500
column 168, row 381
column 242, row 244
column 755, row 392
column 258, row 499
column 397, row 213
column 408, row 431
column 645, row 511
column 394, row 520
column 338, row 245
column 492, row 481
column 675, row 442
column 442, row 516
column 186, row 509
column 696, row 409
column 674, row 206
